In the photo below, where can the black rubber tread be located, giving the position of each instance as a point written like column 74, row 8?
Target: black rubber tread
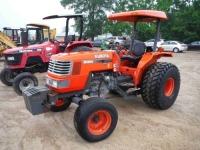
column 66, row 104
column 154, row 82
column 3, row 74
column 85, row 110
column 81, row 49
column 20, row 77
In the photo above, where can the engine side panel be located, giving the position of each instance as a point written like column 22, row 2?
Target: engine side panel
column 90, row 62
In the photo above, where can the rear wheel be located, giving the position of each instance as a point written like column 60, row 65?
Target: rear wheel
column 6, row 76
column 24, row 81
column 61, row 105
column 161, row 85
column 95, row 119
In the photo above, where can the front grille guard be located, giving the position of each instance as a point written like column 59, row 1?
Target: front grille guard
column 60, row 68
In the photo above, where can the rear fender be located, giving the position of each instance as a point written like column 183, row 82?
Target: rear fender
column 75, row 44
column 147, row 60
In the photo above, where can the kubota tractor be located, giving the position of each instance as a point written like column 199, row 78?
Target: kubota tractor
column 22, row 62
column 92, row 73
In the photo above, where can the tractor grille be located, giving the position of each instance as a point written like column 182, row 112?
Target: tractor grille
column 60, row 67
column 13, row 59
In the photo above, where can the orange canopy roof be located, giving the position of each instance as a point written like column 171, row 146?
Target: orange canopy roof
column 142, row 15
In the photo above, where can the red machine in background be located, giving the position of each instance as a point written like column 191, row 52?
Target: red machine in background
column 22, row 62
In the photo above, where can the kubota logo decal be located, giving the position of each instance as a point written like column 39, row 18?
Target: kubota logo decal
column 101, row 56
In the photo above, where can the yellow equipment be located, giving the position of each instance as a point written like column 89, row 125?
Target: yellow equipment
column 5, row 43
column 46, row 30
column 52, row 33
column 13, row 34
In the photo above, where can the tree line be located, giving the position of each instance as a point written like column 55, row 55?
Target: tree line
column 183, row 22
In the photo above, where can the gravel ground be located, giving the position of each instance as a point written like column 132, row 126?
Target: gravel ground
column 139, row 127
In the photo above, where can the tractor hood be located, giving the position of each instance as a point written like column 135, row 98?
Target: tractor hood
column 26, row 49
column 86, row 57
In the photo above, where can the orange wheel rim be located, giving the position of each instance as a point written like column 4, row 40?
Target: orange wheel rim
column 60, row 102
column 169, row 87
column 99, row 122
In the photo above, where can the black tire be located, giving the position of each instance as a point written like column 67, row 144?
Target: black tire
column 24, row 81
column 175, row 50
column 89, row 112
column 160, row 86
column 81, row 49
column 61, row 106
column 7, row 76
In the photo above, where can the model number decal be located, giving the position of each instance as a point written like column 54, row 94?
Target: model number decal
column 30, row 50
column 101, row 56
column 88, row 61
column 104, row 61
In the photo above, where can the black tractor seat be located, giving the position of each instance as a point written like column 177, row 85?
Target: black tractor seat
column 68, row 39
column 131, row 58
column 136, row 52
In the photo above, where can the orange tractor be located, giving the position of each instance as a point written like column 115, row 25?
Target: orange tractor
column 92, row 73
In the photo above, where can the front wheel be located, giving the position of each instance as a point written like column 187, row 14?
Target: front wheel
column 7, row 76
column 61, row 105
column 95, row 119
column 24, row 81
column 160, row 86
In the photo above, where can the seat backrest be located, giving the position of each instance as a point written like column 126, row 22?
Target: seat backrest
column 69, row 38
column 138, row 49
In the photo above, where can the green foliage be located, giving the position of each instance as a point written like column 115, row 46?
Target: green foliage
column 94, row 11
column 184, row 21
column 117, row 28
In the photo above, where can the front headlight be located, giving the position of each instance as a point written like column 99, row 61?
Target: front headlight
column 57, row 84
column 10, row 58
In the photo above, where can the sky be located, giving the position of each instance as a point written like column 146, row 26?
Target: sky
column 18, row 13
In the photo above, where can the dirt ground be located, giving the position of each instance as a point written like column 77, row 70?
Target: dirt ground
column 139, row 127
